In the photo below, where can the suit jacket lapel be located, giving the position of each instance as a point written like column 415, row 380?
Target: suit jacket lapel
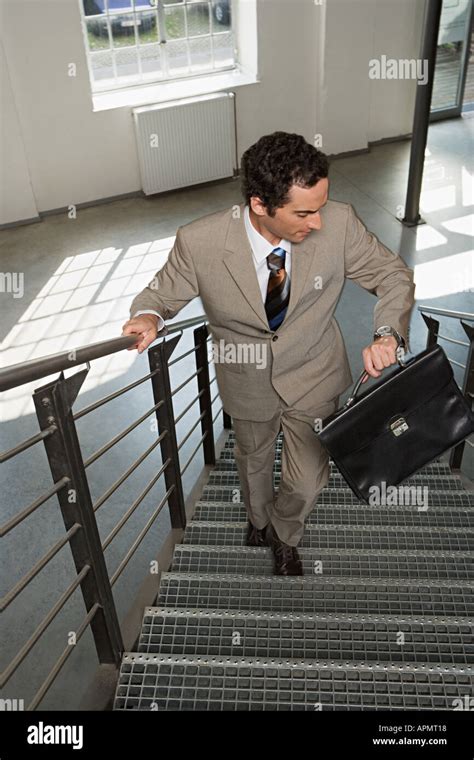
column 239, row 260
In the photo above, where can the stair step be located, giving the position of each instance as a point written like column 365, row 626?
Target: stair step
column 227, row 462
column 341, row 536
column 317, row 594
column 249, row 560
column 171, row 682
column 448, row 483
column 344, row 496
column 323, row 637
column 360, row 514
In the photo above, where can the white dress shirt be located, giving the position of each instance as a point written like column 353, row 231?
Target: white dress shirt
column 260, row 249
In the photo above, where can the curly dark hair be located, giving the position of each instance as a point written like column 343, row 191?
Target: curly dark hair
column 276, row 162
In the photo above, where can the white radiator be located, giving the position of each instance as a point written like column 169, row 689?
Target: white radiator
column 185, row 142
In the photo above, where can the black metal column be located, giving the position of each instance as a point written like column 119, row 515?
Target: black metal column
column 53, row 403
column 433, row 330
column 158, row 358
column 202, row 365
column 422, row 114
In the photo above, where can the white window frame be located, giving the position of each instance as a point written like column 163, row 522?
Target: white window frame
column 139, row 80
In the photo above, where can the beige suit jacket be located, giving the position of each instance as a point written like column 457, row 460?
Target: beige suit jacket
column 304, row 361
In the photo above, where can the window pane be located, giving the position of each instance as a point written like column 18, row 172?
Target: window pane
column 102, row 66
column 198, row 19
column 123, row 30
column 147, row 27
column 175, row 26
column 126, row 61
column 150, row 58
column 177, row 52
column 123, row 6
column 223, row 49
column 97, row 34
column 200, row 51
column 93, row 7
column 221, row 16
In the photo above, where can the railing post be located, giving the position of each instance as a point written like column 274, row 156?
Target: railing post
column 53, row 403
column 202, row 365
column 158, row 359
column 433, row 329
column 455, row 458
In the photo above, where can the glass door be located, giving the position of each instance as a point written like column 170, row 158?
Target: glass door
column 453, row 86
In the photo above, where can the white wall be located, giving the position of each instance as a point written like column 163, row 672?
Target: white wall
column 313, row 66
column 16, row 194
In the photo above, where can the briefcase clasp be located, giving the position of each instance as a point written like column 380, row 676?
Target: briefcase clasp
column 399, row 426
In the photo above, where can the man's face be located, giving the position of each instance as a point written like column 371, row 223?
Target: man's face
column 297, row 218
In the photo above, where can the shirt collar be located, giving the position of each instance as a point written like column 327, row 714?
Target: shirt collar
column 260, row 246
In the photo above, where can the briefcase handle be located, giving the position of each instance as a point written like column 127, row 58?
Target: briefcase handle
column 401, row 361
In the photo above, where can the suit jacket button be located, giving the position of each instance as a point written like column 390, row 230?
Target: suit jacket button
column 275, row 337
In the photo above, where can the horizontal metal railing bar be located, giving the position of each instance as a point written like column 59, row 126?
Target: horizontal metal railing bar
column 26, row 648
column 4, row 529
column 56, row 669
column 140, row 537
column 38, row 566
column 213, row 399
column 26, row 372
column 176, row 390
column 19, row 374
column 191, row 430
column 458, row 364
column 111, row 396
column 212, row 380
column 447, row 313
column 184, row 324
column 134, row 506
column 107, row 446
column 217, row 414
column 20, row 447
column 193, row 454
column 102, row 499
column 451, row 340
column 182, row 356
column 180, row 416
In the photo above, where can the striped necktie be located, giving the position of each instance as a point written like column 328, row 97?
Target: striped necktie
column 278, row 288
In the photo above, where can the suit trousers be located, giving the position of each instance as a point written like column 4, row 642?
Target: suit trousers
column 304, row 468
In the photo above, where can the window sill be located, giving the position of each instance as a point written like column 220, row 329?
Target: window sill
column 157, row 92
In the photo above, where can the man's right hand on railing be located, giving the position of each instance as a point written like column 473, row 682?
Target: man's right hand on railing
column 146, row 327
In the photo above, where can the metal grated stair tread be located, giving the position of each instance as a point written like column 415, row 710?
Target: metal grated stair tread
column 305, row 636
column 342, row 537
column 322, row 595
column 448, row 483
column 173, row 682
column 227, row 462
column 361, row 514
column 350, row 562
column 344, row 496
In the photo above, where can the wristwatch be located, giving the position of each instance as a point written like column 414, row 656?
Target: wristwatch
column 386, row 330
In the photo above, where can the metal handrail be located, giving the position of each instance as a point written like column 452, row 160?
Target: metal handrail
column 53, row 403
column 447, row 313
column 25, row 372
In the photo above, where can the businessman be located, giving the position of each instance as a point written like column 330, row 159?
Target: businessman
column 270, row 272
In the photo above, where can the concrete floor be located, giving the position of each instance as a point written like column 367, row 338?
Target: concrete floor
column 80, row 278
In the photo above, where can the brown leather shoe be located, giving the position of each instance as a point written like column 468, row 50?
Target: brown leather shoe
column 286, row 560
column 256, row 536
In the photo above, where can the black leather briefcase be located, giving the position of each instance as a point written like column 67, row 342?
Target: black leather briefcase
column 398, row 425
